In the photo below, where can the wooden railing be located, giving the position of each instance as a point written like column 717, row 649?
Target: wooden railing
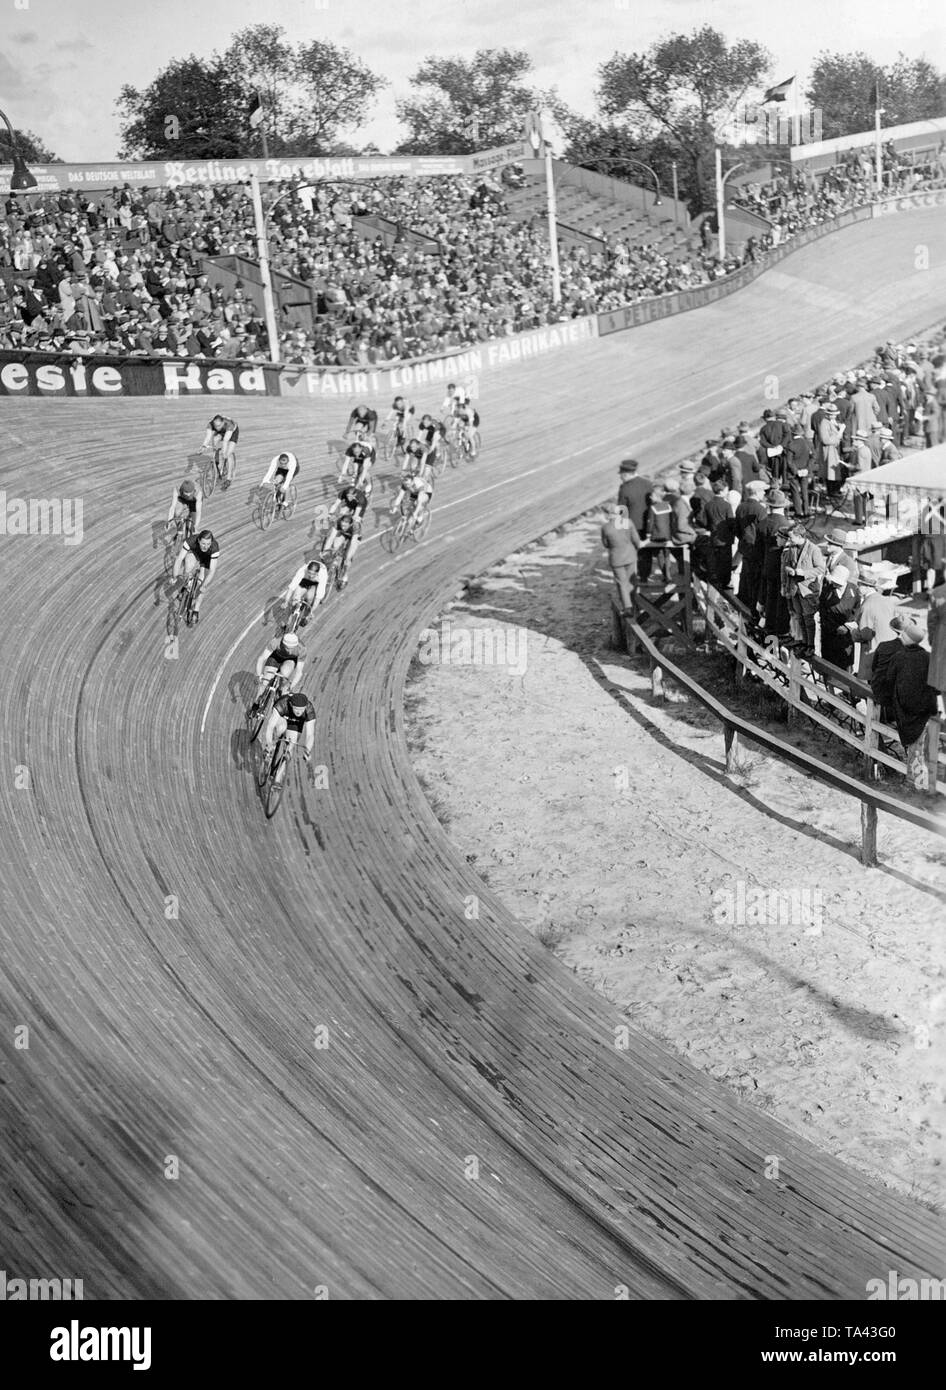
column 821, row 692
column 627, row 631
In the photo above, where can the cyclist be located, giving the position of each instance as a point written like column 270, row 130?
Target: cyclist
column 223, row 433
column 351, row 499
column 358, row 459
column 415, row 493
column 344, row 535
column 431, row 434
column 281, row 471
column 307, row 586
column 201, row 552
column 186, row 500
column 456, row 397
column 362, row 419
column 468, row 420
column 401, row 415
column 414, row 456
column 288, row 658
column 291, row 715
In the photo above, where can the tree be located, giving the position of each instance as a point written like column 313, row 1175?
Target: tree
column 192, row 110
column 30, row 146
column 683, row 87
column 842, row 88
column 464, row 106
column 310, row 93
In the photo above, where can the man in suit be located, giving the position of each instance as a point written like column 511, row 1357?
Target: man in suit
column 633, row 492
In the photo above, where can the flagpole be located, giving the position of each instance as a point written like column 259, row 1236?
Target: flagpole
column 878, row 151
column 720, row 208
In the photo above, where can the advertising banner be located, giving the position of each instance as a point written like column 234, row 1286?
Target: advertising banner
column 396, row 378
column 59, row 374
column 173, row 173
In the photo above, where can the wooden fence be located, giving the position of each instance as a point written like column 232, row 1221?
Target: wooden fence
column 630, row 634
column 828, row 696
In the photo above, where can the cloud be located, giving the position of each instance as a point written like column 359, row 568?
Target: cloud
column 25, row 36
column 73, row 45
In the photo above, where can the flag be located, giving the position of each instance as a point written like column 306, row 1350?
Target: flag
column 780, row 92
column 256, row 110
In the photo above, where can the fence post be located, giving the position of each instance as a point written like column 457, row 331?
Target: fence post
column 741, row 650
column 868, row 834
column 870, row 737
column 794, row 687
column 618, row 638
column 732, row 747
column 932, row 750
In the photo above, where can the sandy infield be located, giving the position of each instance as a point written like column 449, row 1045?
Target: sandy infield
column 727, row 916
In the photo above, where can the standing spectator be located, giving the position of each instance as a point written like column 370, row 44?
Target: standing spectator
column 861, row 461
column 840, row 600
column 720, row 522
column 771, row 535
column 797, row 469
column 874, row 617
column 620, row 539
column 936, row 626
column 633, row 492
column 775, row 438
column 748, row 515
column 830, row 433
column 657, row 530
column 802, row 576
column 902, row 685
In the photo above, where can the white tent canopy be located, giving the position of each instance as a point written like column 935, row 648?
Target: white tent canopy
column 924, row 471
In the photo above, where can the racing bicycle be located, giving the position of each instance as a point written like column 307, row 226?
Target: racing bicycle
column 269, row 504
column 272, row 773
column 212, row 466
column 177, row 532
column 181, row 608
column 299, row 615
column 261, row 708
column 407, row 528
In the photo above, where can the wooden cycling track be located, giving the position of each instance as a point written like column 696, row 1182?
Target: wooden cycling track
column 346, row 1166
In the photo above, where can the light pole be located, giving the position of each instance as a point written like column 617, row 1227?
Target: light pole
column 535, row 138
column 721, row 200
column 676, row 196
column 262, row 245
column 20, row 176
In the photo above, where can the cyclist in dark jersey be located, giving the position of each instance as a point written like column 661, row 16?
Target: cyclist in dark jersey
column 364, row 416
column 201, row 552
column 186, row 502
column 291, row 715
column 287, row 657
column 431, row 433
column 356, row 463
column 223, row 433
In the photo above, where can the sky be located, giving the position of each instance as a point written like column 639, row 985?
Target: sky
column 63, row 62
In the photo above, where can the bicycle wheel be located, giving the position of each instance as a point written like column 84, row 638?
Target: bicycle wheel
column 263, row 768
column 208, row 478
column 278, row 777
column 294, row 619
column 475, row 443
column 290, row 504
column 267, row 511
column 422, row 527
column 441, row 459
column 259, row 713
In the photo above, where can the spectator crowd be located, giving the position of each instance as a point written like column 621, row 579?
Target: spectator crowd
column 745, row 512
column 394, row 268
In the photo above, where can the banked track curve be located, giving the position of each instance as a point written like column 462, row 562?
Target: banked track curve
column 347, row 1166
